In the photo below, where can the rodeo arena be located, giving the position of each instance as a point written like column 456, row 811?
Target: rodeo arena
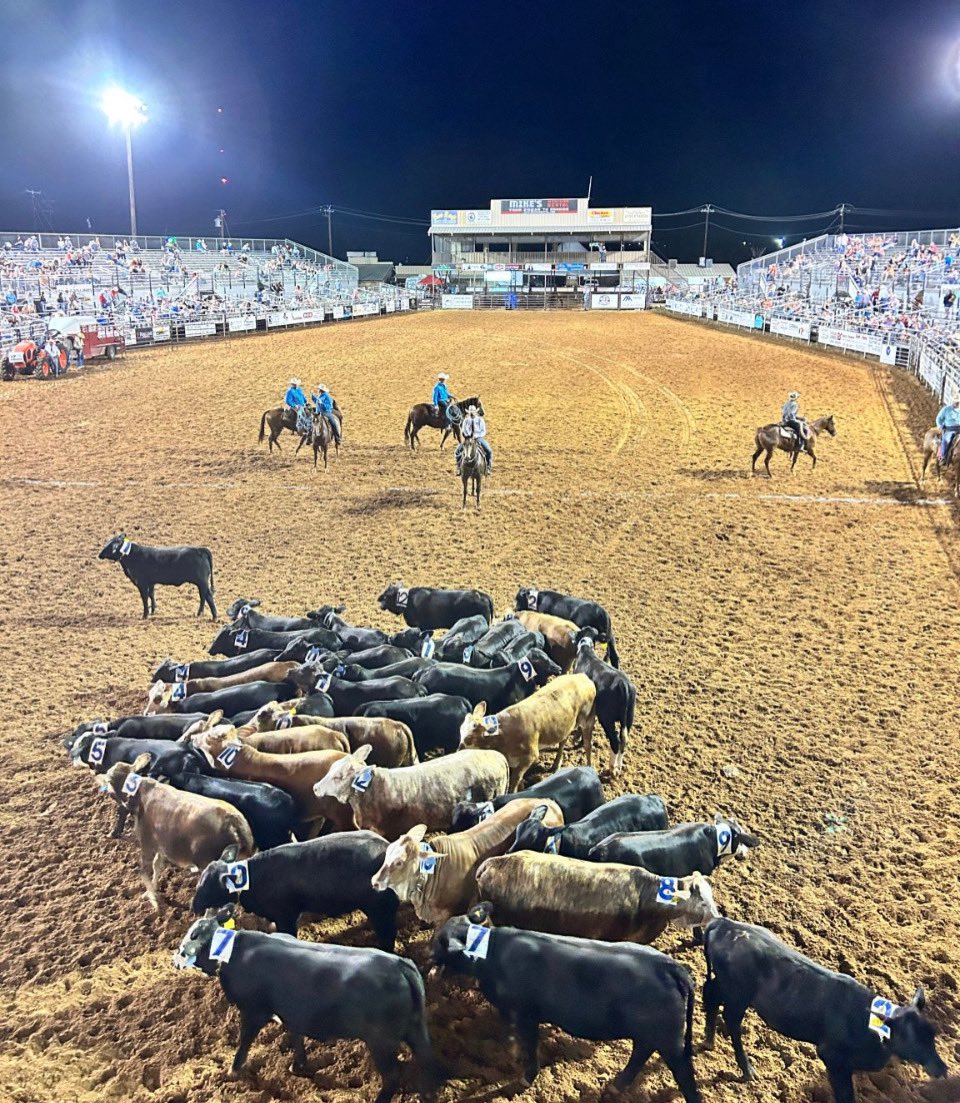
column 564, row 715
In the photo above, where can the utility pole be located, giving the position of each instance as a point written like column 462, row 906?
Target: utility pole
column 328, row 211
column 843, row 210
column 706, row 227
column 221, row 223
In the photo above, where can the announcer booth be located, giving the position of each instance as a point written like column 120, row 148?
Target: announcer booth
column 529, row 244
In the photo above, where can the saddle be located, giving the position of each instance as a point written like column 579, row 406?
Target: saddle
column 789, row 435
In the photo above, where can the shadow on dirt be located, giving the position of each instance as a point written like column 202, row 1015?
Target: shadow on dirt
column 716, row 474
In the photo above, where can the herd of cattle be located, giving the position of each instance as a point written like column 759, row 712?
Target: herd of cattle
column 321, row 768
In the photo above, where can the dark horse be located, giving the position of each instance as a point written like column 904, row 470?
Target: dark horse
column 422, row 414
column 322, row 437
column 473, row 466
column 770, row 437
column 280, row 418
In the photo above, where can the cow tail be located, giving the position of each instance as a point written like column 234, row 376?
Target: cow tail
column 612, row 654
column 213, row 588
column 707, row 933
column 626, row 724
column 263, row 431
column 416, row 1035
column 490, row 610
column 406, row 428
column 688, row 991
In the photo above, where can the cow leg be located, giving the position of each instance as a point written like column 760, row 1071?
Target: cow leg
column 384, row 1056
column 251, row 1023
column 384, row 922
column 711, row 1007
column 610, row 731
column 203, row 600
column 558, row 757
column 840, row 1076
column 638, row 1058
column 145, row 598
column 528, row 1031
column 733, row 1017
column 150, row 866
column 153, row 600
column 121, row 822
column 299, row 1065
column 681, row 1065
column 516, row 776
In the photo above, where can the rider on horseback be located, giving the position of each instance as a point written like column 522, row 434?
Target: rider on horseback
column 791, row 419
column 323, row 404
column 474, row 426
column 296, row 401
column 948, row 422
column 441, row 396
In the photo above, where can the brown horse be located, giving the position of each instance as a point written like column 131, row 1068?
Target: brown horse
column 422, row 414
column 473, row 466
column 322, row 438
column 931, row 451
column 769, row 438
column 280, row 418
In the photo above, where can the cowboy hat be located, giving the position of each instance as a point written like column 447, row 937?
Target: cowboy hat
column 322, row 387
column 442, row 375
column 794, row 394
column 294, row 382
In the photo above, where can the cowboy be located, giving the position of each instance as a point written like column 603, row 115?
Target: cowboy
column 790, row 419
column 441, row 396
column 324, row 405
column 948, row 422
column 296, row 401
column 474, row 426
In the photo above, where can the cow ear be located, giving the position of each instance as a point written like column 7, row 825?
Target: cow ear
column 361, row 754
column 919, row 999
column 228, row 911
column 253, row 602
column 417, row 833
column 339, row 609
column 230, row 853
column 214, row 718
column 538, row 813
column 141, row 763
column 468, row 795
column 480, row 711
column 481, row 913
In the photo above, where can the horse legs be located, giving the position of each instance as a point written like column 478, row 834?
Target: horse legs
column 756, row 456
column 274, row 440
column 446, row 433
column 300, row 445
column 477, row 482
column 813, row 456
column 465, row 478
column 766, row 462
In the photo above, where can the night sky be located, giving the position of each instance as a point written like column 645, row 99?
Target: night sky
column 393, row 108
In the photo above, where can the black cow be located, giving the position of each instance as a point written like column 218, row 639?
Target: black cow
column 425, row 607
column 329, row 877
column 519, row 647
column 314, row 704
column 166, row 726
column 467, row 631
column 234, row 641
column 148, row 567
column 373, row 658
column 353, row 672
column 616, row 695
column 235, row 699
column 170, row 671
column 245, row 608
column 631, row 812
column 495, row 639
column 678, row 851
column 319, row 991
column 577, row 790
column 435, row 720
column 100, row 752
column 297, row 651
column 352, row 637
column 585, row 614
column 853, row 1029
column 347, row 696
column 603, row 991
column 500, row 687
column 413, row 640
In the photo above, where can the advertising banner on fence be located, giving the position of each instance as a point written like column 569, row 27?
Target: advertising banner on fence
column 604, row 301
column 790, row 327
column 161, row 332
column 678, row 306
column 130, row 337
column 280, row 318
column 199, row 329
column 456, row 302
column 390, row 307
column 476, row 218
column 242, row 325
column 144, row 334
column 632, row 301
column 311, row 315
column 735, row 317
column 337, row 312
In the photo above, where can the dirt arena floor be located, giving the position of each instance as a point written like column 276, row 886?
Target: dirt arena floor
column 793, row 642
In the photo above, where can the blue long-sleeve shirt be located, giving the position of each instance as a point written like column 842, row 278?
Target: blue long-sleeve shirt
column 440, row 393
column 790, row 410
column 323, row 402
column 295, row 397
column 949, row 418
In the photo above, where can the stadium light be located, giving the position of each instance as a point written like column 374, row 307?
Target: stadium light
column 126, row 110
column 778, row 241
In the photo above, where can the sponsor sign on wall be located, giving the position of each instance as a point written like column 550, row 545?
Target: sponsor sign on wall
column 199, row 329
column 735, row 317
column 476, row 218
column 678, row 306
column 603, row 301
column 539, row 206
column 790, row 327
column 281, row 318
column 600, row 214
column 633, row 301
column 456, row 302
column 161, row 332
column 443, row 218
column 242, row 325
column 637, row 216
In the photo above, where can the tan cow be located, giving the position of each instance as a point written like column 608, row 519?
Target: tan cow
column 184, row 829
column 160, row 696
column 295, row 773
column 546, row 892
column 391, row 740
column 544, row 720
column 559, row 633
column 390, row 802
column 439, row 877
column 314, row 737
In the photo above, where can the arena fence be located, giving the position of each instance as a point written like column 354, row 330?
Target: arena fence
column 543, row 299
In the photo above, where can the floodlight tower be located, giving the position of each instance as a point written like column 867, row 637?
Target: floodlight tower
column 126, row 110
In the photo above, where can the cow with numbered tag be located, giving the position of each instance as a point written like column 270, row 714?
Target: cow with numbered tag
column 853, row 1027
column 232, row 640
column 543, row 892
column 327, row 877
column 163, row 694
column 390, row 802
column 347, row 696
column 428, row 608
column 439, row 878
column 316, row 990
column 166, row 727
column 630, row 812
column 354, row 672
column 578, row 610
column 352, row 637
column 499, row 688
column 616, row 696
column 247, row 610
column 314, row 737
column 100, row 752
column 373, row 658
column 164, row 698
column 434, row 720
column 296, row 774
column 601, row 991
column 560, row 635
column 391, row 742
column 171, row 671
column 493, row 640
column 544, row 721
column 678, row 851
column 467, row 631
column 148, row 567
column 521, row 644
column 183, row 829
column 577, row 790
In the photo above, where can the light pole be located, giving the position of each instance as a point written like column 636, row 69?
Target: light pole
column 126, row 110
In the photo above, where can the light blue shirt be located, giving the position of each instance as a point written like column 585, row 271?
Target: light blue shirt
column 295, row 397
column 440, row 393
column 949, row 418
column 791, row 410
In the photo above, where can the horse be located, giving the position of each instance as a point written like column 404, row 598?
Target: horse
column 473, row 465
column 770, row 437
column 422, row 414
column 280, row 418
column 931, row 451
column 322, row 436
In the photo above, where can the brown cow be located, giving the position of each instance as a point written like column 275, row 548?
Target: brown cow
column 161, row 693
column 546, row 892
column 545, row 719
column 559, row 633
column 184, row 829
column 390, row 802
column 314, row 737
column 439, row 877
column 391, row 740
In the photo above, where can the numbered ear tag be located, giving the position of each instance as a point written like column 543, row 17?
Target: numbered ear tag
column 125, row 548
column 100, row 728
column 228, row 755
column 880, row 1011
column 238, row 877
column 132, row 785
column 182, row 672
column 284, row 721
column 532, row 596
column 244, row 610
column 427, row 648
column 97, row 750
column 312, row 655
column 526, row 670
column 323, row 682
column 340, row 670
column 428, row 860
column 403, row 596
column 552, row 845
column 667, row 890
column 485, row 811
column 221, row 945
column 478, row 941
column 468, row 653
column 362, row 781
column 178, row 692
column 242, row 639
column 491, row 725
column 724, row 839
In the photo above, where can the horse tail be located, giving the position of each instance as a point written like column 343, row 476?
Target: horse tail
column 407, row 427
column 263, row 422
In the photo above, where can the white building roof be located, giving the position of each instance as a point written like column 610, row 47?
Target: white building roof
column 575, row 216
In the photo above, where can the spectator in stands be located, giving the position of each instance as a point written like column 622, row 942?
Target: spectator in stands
column 949, row 301
column 948, row 422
